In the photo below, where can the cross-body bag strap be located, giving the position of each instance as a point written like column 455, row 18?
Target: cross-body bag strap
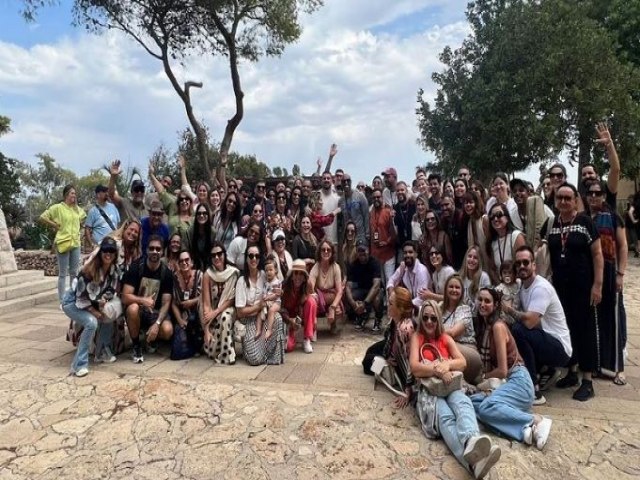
column 106, row 217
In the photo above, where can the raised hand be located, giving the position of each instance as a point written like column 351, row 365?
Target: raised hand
column 333, row 150
column 604, row 137
column 181, row 161
column 319, row 162
column 114, row 168
column 152, row 169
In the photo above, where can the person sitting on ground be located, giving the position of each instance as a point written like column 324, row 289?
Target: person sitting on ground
column 394, row 348
column 187, row 285
column 96, row 286
column 411, row 273
column 507, row 409
column 540, row 328
column 325, row 282
column 455, row 418
column 440, row 273
column 364, row 288
column 146, row 295
column 154, row 225
column 299, row 305
column 217, row 310
column 509, row 287
column 271, row 307
column 457, row 320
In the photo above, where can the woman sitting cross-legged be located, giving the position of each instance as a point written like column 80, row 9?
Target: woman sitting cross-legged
column 507, row 408
column 91, row 305
column 455, row 419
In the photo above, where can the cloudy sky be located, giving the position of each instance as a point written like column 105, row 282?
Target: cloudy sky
column 352, row 79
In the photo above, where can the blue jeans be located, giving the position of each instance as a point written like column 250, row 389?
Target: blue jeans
column 507, row 409
column 68, row 263
column 83, row 318
column 457, row 422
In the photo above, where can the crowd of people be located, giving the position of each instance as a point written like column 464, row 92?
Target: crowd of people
column 507, row 282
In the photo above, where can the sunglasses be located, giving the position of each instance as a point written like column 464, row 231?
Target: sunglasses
column 430, row 318
column 431, row 254
column 295, row 194
column 183, row 260
column 431, row 219
column 257, row 211
column 282, row 198
column 260, row 187
column 564, row 198
column 217, row 254
column 556, row 175
column 595, row 193
column 521, row 263
column 233, row 187
column 138, row 190
column 154, row 249
column 497, row 215
column 202, row 214
column 157, row 214
column 109, row 250
column 184, row 200
column 253, row 256
column 325, row 249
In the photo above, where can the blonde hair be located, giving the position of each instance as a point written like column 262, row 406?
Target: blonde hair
column 446, row 302
column 464, row 273
column 436, row 309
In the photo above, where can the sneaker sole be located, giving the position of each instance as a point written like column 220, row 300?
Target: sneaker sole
column 491, row 460
column 480, row 450
column 552, row 381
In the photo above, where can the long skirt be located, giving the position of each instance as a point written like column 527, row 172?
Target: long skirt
column 221, row 348
column 260, row 351
column 610, row 324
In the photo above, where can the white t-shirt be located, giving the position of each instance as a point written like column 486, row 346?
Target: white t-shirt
column 329, row 204
column 438, row 279
column 542, row 298
column 249, row 295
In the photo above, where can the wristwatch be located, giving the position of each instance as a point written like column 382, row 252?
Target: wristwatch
column 158, row 322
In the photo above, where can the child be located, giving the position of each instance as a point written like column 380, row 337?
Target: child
column 318, row 219
column 273, row 306
column 509, row 288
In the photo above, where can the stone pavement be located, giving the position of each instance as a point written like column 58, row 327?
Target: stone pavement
column 316, row 417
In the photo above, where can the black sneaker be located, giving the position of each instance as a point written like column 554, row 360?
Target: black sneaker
column 137, row 354
column 152, row 347
column 568, row 381
column 585, row 392
column 539, row 398
column 376, row 326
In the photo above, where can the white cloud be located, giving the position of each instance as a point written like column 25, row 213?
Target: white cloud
column 91, row 98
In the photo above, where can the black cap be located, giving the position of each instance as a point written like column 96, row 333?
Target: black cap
column 108, row 243
column 518, row 181
column 361, row 245
column 101, row 188
column 136, row 184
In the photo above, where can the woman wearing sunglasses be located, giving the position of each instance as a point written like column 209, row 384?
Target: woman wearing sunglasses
column 325, row 281
column 503, row 240
column 250, row 300
column 217, row 312
column 433, row 236
column 455, row 417
column 93, row 304
column 200, row 238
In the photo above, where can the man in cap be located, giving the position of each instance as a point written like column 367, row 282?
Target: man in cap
column 364, row 288
column 131, row 208
column 102, row 219
column 153, row 225
column 390, row 178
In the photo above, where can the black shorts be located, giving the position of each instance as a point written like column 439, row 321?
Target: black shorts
column 148, row 318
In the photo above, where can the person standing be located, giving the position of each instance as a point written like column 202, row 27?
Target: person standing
column 103, row 217
column 354, row 208
column 65, row 218
column 404, row 210
column 330, row 203
column 383, row 236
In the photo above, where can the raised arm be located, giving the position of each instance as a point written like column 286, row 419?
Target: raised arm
column 154, row 181
column 604, row 138
column 184, row 182
column 114, row 171
column 333, row 151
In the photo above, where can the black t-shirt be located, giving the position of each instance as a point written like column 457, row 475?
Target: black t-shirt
column 147, row 282
column 363, row 274
column 572, row 262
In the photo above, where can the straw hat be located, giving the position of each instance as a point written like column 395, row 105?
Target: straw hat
column 298, row 266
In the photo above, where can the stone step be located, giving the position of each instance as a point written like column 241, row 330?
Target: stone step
column 18, row 304
column 21, row 276
column 29, row 288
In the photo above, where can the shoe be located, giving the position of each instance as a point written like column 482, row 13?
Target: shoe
column 306, row 345
column 585, row 392
column 477, row 448
column 540, row 432
column 376, row 326
column 137, row 354
column 548, row 378
column 481, row 468
column 527, row 435
column 152, row 347
column 107, row 356
column 82, row 372
column 539, row 400
column 568, row 381
column 360, row 323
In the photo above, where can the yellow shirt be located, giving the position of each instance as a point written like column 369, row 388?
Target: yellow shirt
column 69, row 220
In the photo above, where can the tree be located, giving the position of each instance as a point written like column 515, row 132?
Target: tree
column 172, row 29
column 9, row 182
column 295, row 171
column 532, row 79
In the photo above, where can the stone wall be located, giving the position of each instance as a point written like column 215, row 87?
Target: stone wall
column 37, row 260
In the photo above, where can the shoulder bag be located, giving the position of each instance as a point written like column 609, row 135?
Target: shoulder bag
column 436, row 386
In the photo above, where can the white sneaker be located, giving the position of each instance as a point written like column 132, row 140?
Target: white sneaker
column 541, row 432
column 82, row 372
column 528, row 435
column 106, row 356
column 307, row 346
column 477, row 448
column 481, row 468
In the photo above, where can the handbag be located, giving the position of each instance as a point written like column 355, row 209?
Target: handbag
column 64, row 245
column 387, row 376
column 181, row 347
column 427, row 409
column 436, row 386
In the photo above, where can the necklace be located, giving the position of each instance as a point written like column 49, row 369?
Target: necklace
column 564, row 233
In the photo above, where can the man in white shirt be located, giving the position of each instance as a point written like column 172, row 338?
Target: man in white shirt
column 540, row 331
column 330, row 200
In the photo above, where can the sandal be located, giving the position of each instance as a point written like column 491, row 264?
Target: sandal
column 620, row 379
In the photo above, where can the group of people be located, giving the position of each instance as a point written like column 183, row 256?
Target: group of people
column 508, row 282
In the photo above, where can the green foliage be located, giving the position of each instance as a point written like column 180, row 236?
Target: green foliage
column 5, row 125
column 295, row 171
column 532, row 80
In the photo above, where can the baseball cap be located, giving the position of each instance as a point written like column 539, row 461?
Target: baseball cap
column 390, row 171
column 108, row 244
column 156, row 206
column 361, row 245
column 278, row 234
column 518, row 181
column 101, row 188
column 136, row 185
